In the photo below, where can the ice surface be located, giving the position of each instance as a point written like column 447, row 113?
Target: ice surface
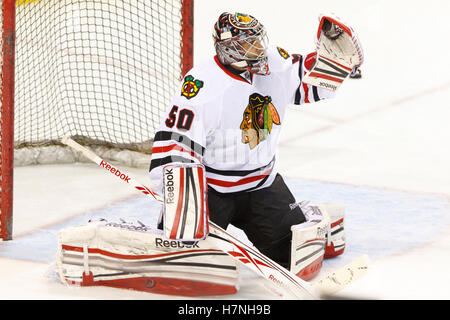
column 381, row 148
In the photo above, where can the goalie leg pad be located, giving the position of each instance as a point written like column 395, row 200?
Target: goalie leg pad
column 138, row 257
column 335, row 244
column 185, row 207
column 308, row 244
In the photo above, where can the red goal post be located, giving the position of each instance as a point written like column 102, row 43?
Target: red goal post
column 7, row 117
column 101, row 71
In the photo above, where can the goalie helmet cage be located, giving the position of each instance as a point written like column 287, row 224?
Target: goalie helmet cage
column 100, row 71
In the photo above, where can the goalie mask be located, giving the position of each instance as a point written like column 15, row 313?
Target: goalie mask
column 241, row 41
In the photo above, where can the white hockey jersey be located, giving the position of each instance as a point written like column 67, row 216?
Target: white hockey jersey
column 231, row 123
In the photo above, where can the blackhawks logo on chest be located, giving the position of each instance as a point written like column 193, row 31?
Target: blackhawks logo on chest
column 258, row 119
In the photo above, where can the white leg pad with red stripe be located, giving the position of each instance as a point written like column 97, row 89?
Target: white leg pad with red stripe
column 308, row 243
column 185, row 209
column 139, row 257
column 335, row 245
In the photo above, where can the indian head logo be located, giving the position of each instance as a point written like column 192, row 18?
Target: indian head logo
column 191, row 87
column 258, row 119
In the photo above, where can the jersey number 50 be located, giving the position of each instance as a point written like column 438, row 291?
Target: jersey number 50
column 185, row 118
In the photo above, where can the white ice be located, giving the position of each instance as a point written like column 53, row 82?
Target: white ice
column 381, row 148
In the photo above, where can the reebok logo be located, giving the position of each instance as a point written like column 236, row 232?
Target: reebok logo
column 271, row 277
column 294, row 205
column 142, row 228
column 327, row 85
column 169, row 185
column 115, row 171
column 175, row 244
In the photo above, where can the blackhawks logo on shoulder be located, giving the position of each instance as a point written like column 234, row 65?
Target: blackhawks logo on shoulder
column 283, row 53
column 191, row 87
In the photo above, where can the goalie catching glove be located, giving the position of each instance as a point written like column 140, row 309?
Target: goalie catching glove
column 338, row 53
column 185, row 209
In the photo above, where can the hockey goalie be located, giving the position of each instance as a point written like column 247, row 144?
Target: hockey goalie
column 213, row 159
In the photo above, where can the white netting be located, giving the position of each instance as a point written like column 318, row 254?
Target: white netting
column 100, row 71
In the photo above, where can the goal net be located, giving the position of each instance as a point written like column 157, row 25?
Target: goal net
column 99, row 71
